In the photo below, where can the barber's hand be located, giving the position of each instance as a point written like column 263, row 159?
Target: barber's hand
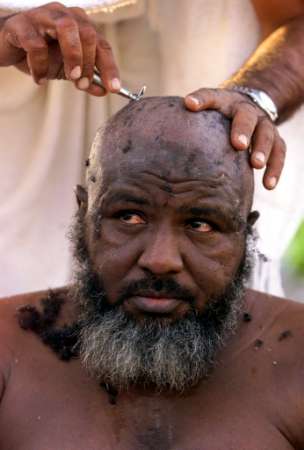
column 53, row 42
column 250, row 127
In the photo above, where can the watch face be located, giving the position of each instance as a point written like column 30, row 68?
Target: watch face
column 267, row 104
column 266, row 100
column 261, row 99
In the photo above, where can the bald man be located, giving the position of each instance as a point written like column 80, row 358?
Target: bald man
column 157, row 345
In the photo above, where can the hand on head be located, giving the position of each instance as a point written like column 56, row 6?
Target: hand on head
column 251, row 128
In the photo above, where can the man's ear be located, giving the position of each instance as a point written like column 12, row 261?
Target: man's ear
column 81, row 197
column 253, row 217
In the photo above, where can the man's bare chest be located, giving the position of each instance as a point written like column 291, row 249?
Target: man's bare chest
column 53, row 405
column 60, row 433
column 75, row 416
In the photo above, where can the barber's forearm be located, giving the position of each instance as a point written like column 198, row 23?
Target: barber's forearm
column 277, row 67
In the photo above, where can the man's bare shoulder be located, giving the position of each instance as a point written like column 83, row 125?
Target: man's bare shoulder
column 276, row 317
column 277, row 350
column 288, row 330
column 16, row 314
column 11, row 332
column 278, row 330
column 10, row 308
column 12, row 303
column 274, row 313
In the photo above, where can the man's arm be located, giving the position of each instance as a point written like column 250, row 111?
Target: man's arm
column 277, row 68
column 54, row 41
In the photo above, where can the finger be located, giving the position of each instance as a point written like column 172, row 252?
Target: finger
column 208, row 99
column 95, row 90
column 24, row 35
column 56, row 68
column 275, row 163
column 89, row 44
column 70, row 44
column 244, row 121
column 107, row 67
column 262, row 143
column 88, row 37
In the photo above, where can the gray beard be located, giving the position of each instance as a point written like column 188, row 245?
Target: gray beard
column 122, row 353
column 117, row 349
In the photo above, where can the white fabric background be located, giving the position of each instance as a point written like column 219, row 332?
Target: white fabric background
column 174, row 47
column 86, row 4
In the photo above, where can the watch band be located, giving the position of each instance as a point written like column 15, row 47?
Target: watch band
column 263, row 100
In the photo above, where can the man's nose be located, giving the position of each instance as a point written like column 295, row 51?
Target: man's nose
column 161, row 255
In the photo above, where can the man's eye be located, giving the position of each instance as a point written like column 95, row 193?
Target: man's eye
column 130, row 217
column 200, row 226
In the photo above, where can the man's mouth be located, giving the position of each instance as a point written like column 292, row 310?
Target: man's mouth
column 154, row 303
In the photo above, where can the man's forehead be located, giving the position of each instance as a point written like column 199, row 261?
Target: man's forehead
column 170, row 170
column 169, row 142
column 147, row 183
column 181, row 196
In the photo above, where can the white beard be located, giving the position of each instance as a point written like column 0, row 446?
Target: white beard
column 122, row 353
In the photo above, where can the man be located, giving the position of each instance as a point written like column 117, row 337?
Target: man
column 217, row 39
column 157, row 345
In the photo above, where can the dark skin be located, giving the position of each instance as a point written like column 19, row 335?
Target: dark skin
column 180, row 182
column 54, row 41
column 253, row 398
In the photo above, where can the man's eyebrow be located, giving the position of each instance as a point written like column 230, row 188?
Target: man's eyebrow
column 210, row 211
column 126, row 197
column 199, row 210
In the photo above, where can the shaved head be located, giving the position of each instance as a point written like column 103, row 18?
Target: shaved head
column 161, row 135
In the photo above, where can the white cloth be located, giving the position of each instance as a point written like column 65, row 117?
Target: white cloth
column 94, row 5
column 174, row 48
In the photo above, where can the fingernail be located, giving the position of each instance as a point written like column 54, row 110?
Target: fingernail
column 75, row 74
column 243, row 140
column 51, row 33
column 42, row 81
column 271, row 182
column 115, row 84
column 193, row 100
column 260, row 157
column 83, row 83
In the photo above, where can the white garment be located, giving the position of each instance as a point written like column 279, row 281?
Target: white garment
column 174, row 48
column 88, row 5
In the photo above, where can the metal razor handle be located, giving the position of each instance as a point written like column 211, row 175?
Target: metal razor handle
column 123, row 91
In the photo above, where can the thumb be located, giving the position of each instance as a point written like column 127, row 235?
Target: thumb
column 204, row 99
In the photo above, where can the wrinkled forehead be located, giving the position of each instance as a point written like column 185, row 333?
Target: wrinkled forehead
column 169, row 142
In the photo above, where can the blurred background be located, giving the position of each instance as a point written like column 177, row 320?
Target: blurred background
column 293, row 267
column 37, row 181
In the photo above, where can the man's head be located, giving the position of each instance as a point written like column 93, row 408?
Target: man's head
column 161, row 241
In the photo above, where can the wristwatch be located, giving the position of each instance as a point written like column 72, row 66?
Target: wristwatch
column 263, row 100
